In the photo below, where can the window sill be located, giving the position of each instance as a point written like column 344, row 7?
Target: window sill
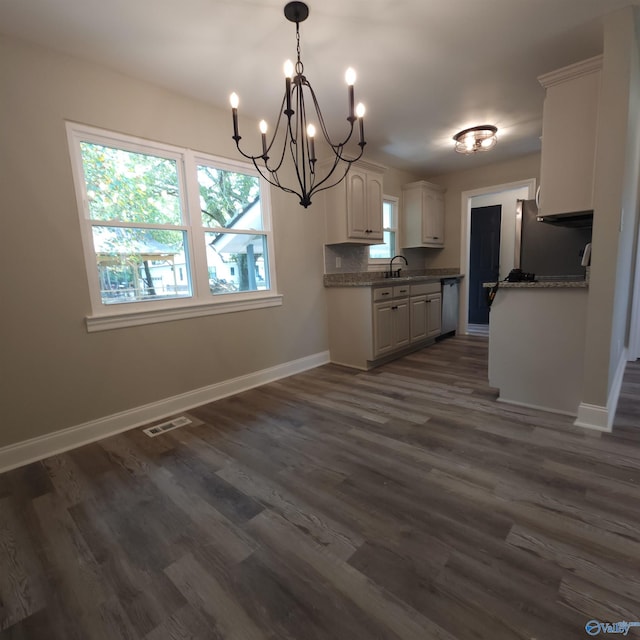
column 135, row 318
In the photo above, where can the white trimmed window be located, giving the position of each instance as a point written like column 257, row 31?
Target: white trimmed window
column 384, row 252
column 168, row 232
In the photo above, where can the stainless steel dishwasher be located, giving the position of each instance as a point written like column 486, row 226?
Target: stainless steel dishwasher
column 450, row 301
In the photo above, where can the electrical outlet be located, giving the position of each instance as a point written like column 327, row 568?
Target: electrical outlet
column 338, row 262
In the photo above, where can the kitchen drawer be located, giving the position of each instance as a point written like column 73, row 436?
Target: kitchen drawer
column 425, row 288
column 401, row 291
column 382, row 293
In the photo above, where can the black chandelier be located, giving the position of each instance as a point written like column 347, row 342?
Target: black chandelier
column 299, row 134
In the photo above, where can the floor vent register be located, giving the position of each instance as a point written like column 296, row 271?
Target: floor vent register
column 163, row 427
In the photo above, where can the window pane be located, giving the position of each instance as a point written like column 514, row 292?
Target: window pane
column 130, row 187
column 379, row 251
column 140, row 264
column 237, row 262
column 387, row 214
column 229, row 199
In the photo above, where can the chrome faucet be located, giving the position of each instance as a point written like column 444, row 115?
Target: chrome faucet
column 395, row 274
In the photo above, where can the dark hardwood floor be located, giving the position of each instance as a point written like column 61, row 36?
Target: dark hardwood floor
column 403, row 503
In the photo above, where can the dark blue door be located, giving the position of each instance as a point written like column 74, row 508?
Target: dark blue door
column 484, row 259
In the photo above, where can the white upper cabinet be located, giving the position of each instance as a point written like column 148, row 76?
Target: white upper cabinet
column 423, row 215
column 569, row 123
column 353, row 209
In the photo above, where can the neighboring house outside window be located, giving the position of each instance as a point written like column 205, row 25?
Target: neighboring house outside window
column 169, row 232
column 379, row 253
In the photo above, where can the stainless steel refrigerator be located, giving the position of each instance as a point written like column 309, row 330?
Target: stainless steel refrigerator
column 550, row 249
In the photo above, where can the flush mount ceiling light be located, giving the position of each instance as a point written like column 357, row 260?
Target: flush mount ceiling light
column 474, row 139
column 298, row 129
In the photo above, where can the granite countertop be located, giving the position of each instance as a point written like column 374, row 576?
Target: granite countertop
column 541, row 284
column 376, row 278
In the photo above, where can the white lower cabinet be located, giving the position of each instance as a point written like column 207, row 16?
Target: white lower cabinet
column 434, row 315
column 418, row 318
column 426, row 311
column 390, row 326
column 401, row 328
column 371, row 324
column 382, row 328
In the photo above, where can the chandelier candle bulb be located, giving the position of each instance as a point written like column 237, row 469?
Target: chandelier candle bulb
column 311, row 132
column 288, row 75
column 350, row 77
column 235, row 101
column 263, row 132
column 360, row 114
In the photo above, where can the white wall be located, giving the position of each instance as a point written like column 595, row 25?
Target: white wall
column 54, row 373
column 615, row 211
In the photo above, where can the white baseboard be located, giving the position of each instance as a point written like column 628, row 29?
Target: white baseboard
column 592, row 416
column 22, row 453
column 537, row 407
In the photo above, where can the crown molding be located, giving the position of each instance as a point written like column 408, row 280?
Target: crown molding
column 573, row 71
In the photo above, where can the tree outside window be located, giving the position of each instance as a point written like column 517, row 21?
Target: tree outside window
column 149, row 237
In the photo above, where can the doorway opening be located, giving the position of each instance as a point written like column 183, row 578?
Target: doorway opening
column 504, row 196
column 484, row 263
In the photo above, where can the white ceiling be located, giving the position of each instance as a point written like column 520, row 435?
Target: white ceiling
column 425, row 69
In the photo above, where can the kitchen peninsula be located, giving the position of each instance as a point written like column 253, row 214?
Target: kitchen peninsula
column 536, row 343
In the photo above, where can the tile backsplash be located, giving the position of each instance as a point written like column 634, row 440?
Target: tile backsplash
column 350, row 258
column 354, row 258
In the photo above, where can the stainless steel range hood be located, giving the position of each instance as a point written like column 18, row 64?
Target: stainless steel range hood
column 576, row 219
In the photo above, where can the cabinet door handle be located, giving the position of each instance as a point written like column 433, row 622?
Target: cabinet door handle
column 404, row 290
column 386, row 293
column 393, row 308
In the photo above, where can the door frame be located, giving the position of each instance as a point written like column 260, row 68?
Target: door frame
column 465, row 236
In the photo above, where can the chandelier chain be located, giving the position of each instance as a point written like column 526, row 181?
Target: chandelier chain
column 299, row 65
